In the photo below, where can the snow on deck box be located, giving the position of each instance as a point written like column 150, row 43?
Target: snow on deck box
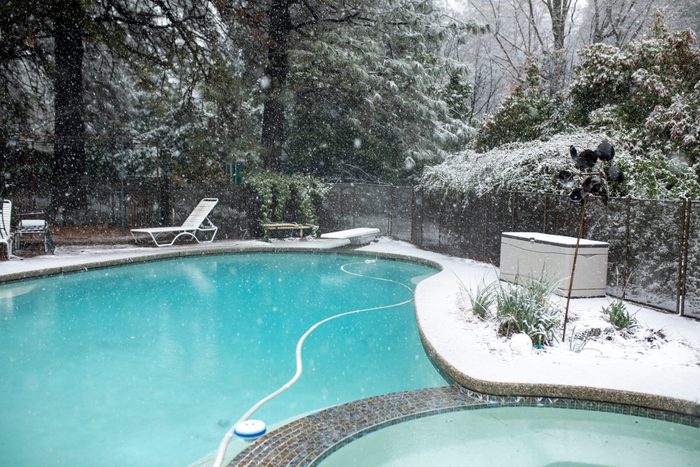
column 526, row 255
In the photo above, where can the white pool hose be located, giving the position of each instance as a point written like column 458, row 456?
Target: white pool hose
column 299, row 366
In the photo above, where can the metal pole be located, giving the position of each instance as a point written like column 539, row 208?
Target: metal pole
column 626, row 276
column 573, row 266
column 122, row 176
column 683, row 263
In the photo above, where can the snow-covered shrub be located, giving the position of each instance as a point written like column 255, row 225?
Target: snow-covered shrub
column 527, row 309
column 652, row 175
column 533, row 166
column 530, row 166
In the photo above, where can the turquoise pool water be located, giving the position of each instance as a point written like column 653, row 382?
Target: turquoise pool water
column 149, row 364
column 525, row 437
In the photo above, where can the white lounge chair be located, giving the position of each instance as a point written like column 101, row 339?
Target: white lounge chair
column 197, row 221
column 5, row 218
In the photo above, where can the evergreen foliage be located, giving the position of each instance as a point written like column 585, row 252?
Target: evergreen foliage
column 370, row 97
column 646, row 92
column 287, row 198
column 181, row 87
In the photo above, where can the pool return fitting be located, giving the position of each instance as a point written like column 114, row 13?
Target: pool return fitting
column 249, row 429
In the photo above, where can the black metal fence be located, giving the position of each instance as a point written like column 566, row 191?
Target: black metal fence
column 654, row 255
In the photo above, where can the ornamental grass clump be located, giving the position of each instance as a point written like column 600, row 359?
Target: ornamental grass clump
column 481, row 300
column 616, row 314
column 518, row 308
column 527, row 309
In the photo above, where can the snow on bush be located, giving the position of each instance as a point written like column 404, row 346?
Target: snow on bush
column 533, row 166
column 530, row 166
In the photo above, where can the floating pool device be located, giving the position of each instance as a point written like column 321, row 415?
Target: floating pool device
column 250, row 430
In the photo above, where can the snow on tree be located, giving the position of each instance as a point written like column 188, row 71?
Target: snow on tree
column 347, row 71
column 528, row 113
column 646, row 91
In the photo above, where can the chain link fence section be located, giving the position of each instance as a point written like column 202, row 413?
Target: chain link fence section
column 649, row 240
column 385, row 207
column 691, row 284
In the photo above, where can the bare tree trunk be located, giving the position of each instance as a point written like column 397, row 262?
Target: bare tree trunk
column 69, row 146
column 274, row 125
column 558, row 12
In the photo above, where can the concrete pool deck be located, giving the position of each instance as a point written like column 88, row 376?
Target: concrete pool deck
column 470, row 363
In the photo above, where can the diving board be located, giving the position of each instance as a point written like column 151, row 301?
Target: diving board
column 359, row 236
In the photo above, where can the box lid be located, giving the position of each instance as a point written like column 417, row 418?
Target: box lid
column 559, row 240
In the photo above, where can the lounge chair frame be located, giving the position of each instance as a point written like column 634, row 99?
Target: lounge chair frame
column 34, row 223
column 198, row 221
column 5, row 217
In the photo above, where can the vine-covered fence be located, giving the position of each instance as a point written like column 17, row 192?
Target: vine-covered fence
column 654, row 254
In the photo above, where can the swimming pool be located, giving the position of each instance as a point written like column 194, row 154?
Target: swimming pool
column 149, row 364
column 527, row 437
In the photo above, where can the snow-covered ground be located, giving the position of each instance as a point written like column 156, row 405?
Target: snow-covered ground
column 661, row 357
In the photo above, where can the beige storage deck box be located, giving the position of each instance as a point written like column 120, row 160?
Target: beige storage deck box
column 530, row 254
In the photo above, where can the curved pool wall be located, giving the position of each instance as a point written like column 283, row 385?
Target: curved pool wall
column 526, row 437
column 74, row 378
column 313, row 439
column 446, row 350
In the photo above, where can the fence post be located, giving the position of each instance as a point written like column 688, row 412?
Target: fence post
column 544, row 216
column 417, row 216
column 391, row 207
column 683, row 260
column 122, row 177
column 626, row 267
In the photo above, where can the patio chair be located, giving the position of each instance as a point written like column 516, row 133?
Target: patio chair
column 198, row 221
column 34, row 224
column 5, row 218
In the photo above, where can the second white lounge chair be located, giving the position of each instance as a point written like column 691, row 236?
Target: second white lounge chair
column 198, row 221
